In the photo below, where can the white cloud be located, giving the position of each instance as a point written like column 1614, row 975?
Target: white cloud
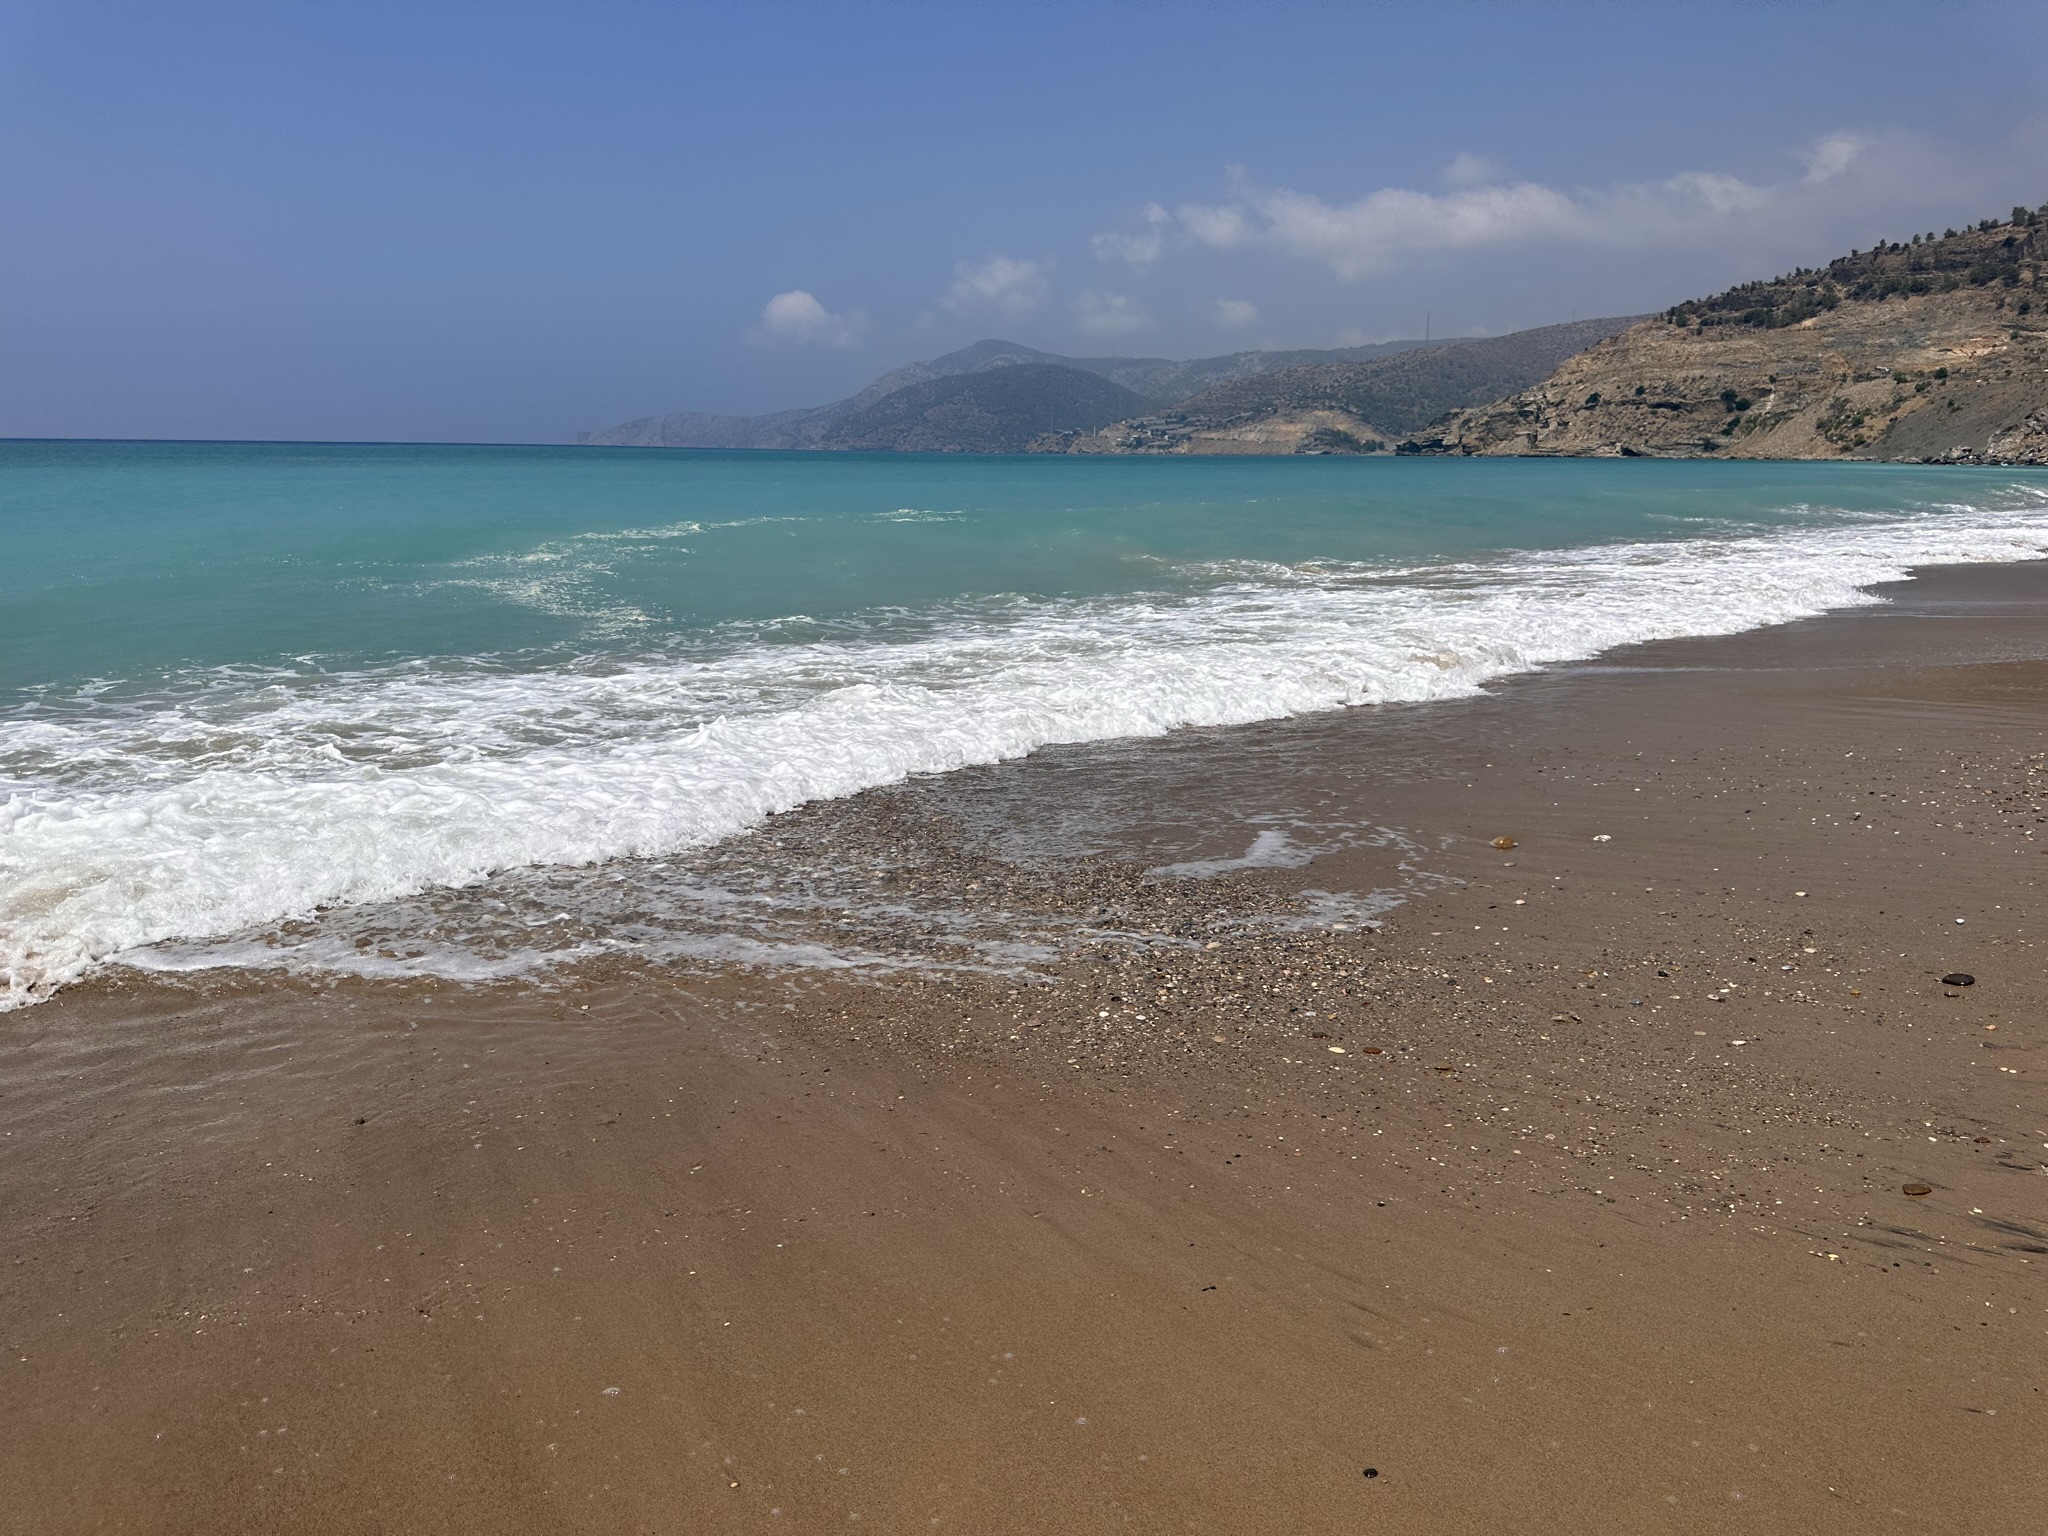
column 1470, row 170
column 1482, row 209
column 1110, row 314
column 1139, row 250
column 1002, row 284
column 1221, row 227
column 1833, row 155
column 797, row 316
column 1235, row 313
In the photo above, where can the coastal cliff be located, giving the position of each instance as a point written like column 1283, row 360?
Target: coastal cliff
column 1932, row 351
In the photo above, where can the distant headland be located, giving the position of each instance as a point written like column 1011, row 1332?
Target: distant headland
column 1929, row 350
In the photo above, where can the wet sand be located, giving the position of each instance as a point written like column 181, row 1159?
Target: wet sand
column 1572, row 1198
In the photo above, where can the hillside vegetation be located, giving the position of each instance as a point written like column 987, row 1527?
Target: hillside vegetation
column 1933, row 350
column 1000, row 410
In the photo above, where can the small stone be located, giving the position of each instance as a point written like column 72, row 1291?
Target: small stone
column 1335, row 1050
column 1503, row 843
column 1602, row 837
column 1959, row 979
column 1372, row 1472
column 1917, row 1190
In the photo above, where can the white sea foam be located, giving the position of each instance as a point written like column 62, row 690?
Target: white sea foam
column 255, row 798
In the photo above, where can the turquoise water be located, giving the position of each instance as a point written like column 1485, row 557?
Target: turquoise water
column 243, row 683
column 128, row 560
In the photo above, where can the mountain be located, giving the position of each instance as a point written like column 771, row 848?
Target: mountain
column 808, row 427
column 1326, row 406
column 998, row 410
column 1934, row 350
column 1157, row 379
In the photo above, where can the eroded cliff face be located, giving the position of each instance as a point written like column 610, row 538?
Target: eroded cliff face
column 1958, row 376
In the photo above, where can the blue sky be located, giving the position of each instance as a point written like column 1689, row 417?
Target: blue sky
column 506, row 222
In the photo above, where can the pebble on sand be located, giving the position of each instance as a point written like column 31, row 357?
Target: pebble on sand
column 1917, row 1190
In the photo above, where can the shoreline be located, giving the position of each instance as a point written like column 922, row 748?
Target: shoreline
column 1487, row 1200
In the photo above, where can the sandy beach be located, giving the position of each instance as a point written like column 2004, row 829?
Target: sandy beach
column 1640, row 1175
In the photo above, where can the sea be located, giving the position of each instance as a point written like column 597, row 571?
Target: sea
column 480, row 713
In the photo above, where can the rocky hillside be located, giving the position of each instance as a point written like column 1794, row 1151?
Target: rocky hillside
column 999, row 410
column 1347, row 406
column 1930, row 350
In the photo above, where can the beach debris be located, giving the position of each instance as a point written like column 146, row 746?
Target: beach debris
column 1959, row 979
column 1503, row 843
column 1799, row 893
column 1336, row 1050
column 1738, row 1042
column 1603, row 837
column 1371, row 1472
column 1917, row 1190
column 1371, row 1050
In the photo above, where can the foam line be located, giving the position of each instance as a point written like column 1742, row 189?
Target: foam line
column 257, row 798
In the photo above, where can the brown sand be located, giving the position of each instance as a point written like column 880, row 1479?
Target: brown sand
column 1610, row 1234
